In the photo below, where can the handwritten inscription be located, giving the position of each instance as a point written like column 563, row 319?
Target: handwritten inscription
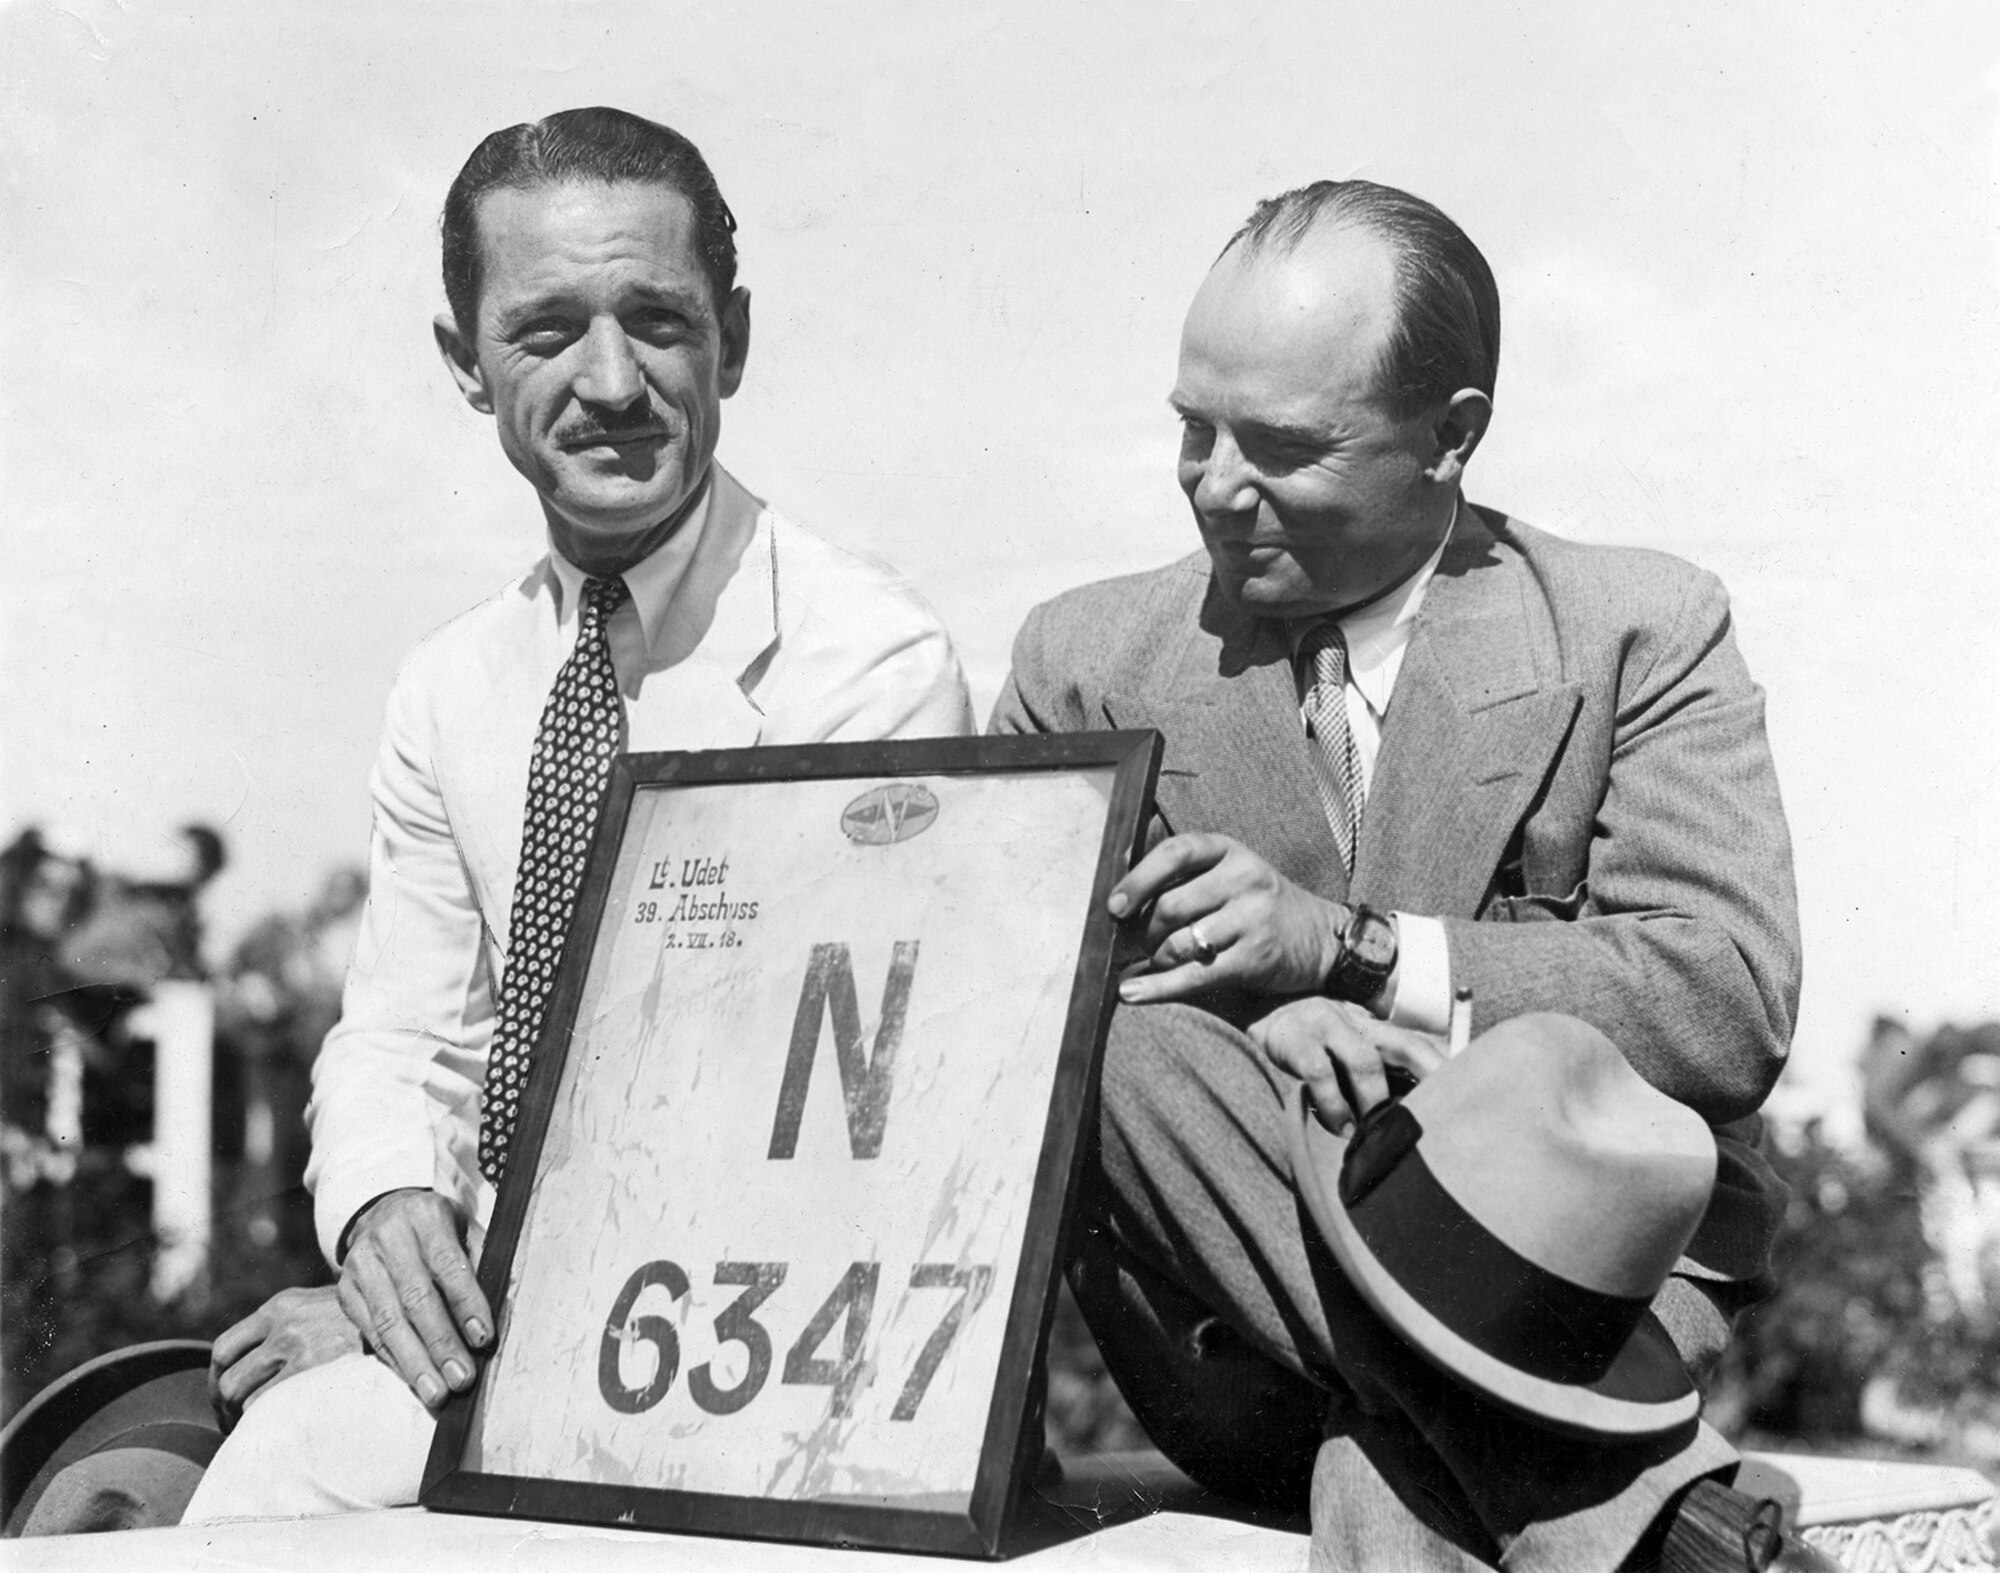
column 693, row 872
column 689, row 896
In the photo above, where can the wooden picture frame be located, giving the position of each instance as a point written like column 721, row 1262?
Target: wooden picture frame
column 717, row 1312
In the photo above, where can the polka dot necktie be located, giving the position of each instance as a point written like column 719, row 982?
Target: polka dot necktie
column 1336, row 765
column 582, row 727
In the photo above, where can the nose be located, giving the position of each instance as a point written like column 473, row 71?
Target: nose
column 1224, row 481
column 609, row 375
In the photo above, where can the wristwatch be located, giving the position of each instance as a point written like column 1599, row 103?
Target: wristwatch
column 1367, row 957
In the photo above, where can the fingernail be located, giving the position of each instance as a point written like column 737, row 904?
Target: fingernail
column 1119, row 904
column 456, row 1374
column 429, row 1391
column 476, row 1330
column 1128, row 992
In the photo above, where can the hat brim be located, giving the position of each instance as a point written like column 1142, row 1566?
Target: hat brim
column 90, row 1407
column 1646, row 1391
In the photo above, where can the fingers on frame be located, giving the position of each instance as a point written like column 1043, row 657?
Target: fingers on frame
column 452, row 1270
column 1197, row 850
column 1173, row 863
column 386, row 1318
column 1195, row 902
column 413, row 1266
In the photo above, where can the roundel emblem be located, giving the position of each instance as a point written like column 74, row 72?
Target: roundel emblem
column 890, row 813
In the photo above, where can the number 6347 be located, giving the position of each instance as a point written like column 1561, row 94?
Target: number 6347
column 852, row 1303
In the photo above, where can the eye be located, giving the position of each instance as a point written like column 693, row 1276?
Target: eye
column 1280, row 452
column 545, row 335
column 658, row 326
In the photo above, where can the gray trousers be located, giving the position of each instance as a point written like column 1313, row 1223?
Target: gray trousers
column 1257, row 1368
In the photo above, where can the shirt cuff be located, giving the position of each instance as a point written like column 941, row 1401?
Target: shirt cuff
column 347, row 1231
column 342, row 1197
column 1420, row 993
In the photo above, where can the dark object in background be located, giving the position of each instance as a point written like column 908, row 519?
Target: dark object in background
column 1872, row 1333
column 143, row 931
column 117, row 1107
column 118, row 1443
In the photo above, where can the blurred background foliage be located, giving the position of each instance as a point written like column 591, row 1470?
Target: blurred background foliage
column 1883, row 1338
column 1886, row 1327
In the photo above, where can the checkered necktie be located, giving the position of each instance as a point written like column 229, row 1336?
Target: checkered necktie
column 582, row 726
column 1336, row 766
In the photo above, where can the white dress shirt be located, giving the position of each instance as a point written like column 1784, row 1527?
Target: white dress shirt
column 1377, row 636
column 742, row 629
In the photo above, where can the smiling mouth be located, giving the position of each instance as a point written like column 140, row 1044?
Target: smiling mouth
column 612, row 439
column 1245, row 548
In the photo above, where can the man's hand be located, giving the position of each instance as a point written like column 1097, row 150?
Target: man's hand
column 1216, row 915
column 293, row 1331
column 408, row 1285
column 1343, row 1055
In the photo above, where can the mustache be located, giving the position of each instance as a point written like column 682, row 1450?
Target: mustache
column 585, row 429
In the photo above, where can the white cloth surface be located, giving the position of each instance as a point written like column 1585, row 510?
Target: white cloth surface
column 743, row 629
column 343, row 1437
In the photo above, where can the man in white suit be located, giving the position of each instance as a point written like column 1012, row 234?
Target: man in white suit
column 590, row 269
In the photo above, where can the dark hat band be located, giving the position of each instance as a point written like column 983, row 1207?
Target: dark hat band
column 1482, row 1290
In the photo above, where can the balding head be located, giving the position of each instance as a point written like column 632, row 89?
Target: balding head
column 1446, row 331
column 1316, row 491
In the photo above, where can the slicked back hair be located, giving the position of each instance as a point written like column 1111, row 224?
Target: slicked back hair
column 598, row 145
column 1447, row 333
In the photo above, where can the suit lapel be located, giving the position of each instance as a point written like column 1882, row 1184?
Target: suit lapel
column 1476, row 718
column 1227, row 703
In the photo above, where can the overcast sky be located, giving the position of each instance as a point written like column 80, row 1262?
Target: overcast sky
column 1749, row 254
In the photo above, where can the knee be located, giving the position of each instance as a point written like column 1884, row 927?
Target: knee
column 281, row 1410
column 242, row 1476
column 342, row 1437
column 1163, row 1062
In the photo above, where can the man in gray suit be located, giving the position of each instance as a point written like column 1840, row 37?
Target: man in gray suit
column 1413, row 747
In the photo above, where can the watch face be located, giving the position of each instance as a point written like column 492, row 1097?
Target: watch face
column 1367, row 957
column 1373, row 941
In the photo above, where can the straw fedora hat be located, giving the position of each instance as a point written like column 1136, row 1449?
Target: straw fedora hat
column 118, row 1443
column 1512, row 1217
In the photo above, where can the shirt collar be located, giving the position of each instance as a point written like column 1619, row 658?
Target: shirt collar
column 1378, row 633
column 652, row 580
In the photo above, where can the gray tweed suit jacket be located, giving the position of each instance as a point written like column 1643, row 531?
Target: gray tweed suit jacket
column 1573, row 776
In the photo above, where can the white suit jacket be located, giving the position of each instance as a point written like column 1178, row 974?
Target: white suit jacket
column 804, row 643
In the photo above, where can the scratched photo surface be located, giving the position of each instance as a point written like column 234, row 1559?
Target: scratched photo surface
column 1749, row 257
column 782, row 1199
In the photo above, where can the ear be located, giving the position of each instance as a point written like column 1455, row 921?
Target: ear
column 462, row 361
column 735, row 341
column 1455, row 433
